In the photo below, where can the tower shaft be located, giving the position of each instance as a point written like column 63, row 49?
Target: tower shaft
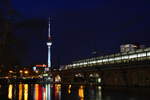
column 49, row 43
column 49, row 56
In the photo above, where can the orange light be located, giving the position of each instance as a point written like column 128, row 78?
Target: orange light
column 20, row 91
column 26, row 72
column 57, row 87
column 37, row 71
column 36, row 95
column 25, row 91
column 20, row 71
column 81, row 93
column 10, row 91
column 41, row 65
column 69, row 89
column 10, row 71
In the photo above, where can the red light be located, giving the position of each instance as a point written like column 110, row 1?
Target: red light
column 41, row 65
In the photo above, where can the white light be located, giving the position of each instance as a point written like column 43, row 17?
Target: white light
column 91, row 62
column 141, row 54
column 78, row 64
column 74, row 65
column 105, row 60
column 99, row 80
column 85, row 63
column 117, row 58
column 99, row 61
column 148, row 53
column 49, row 43
column 49, row 53
column 124, row 57
column 99, row 87
column 34, row 68
column 45, row 74
column 94, row 62
column 111, row 59
column 133, row 56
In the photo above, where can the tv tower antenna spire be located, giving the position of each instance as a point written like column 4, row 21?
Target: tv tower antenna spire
column 49, row 43
column 49, row 29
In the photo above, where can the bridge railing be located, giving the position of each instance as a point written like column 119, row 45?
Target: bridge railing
column 138, row 55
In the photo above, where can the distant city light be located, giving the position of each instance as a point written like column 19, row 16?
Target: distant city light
column 20, row 71
column 26, row 72
column 37, row 71
column 10, row 71
column 43, row 65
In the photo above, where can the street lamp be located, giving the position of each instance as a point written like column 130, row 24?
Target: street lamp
column 20, row 71
column 37, row 71
column 26, row 71
column 10, row 71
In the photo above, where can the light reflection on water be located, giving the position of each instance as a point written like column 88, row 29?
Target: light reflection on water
column 42, row 92
column 69, row 92
column 10, row 91
column 81, row 93
column 57, row 88
column 25, row 91
column 20, row 91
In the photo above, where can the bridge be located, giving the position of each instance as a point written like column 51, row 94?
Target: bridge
column 121, row 69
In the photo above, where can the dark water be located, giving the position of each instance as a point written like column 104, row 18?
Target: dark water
column 70, row 92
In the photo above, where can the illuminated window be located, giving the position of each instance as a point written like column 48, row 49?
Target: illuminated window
column 133, row 56
column 92, row 62
column 125, row 57
column 111, row 59
column 148, row 53
column 141, row 54
column 105, row 60
column 117, row 58
column 81, row 63
column 99, row 61
column 74, row 64
column 85, row 63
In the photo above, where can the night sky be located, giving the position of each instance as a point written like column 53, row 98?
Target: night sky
column 80, row 27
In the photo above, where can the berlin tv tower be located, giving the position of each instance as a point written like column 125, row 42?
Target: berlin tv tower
column 49, row 43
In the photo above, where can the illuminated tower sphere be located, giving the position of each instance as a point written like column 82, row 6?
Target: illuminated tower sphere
column 49, row 43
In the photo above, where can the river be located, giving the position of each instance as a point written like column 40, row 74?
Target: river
column 70, row 92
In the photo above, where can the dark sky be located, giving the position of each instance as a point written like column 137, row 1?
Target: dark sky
column 80, row 27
